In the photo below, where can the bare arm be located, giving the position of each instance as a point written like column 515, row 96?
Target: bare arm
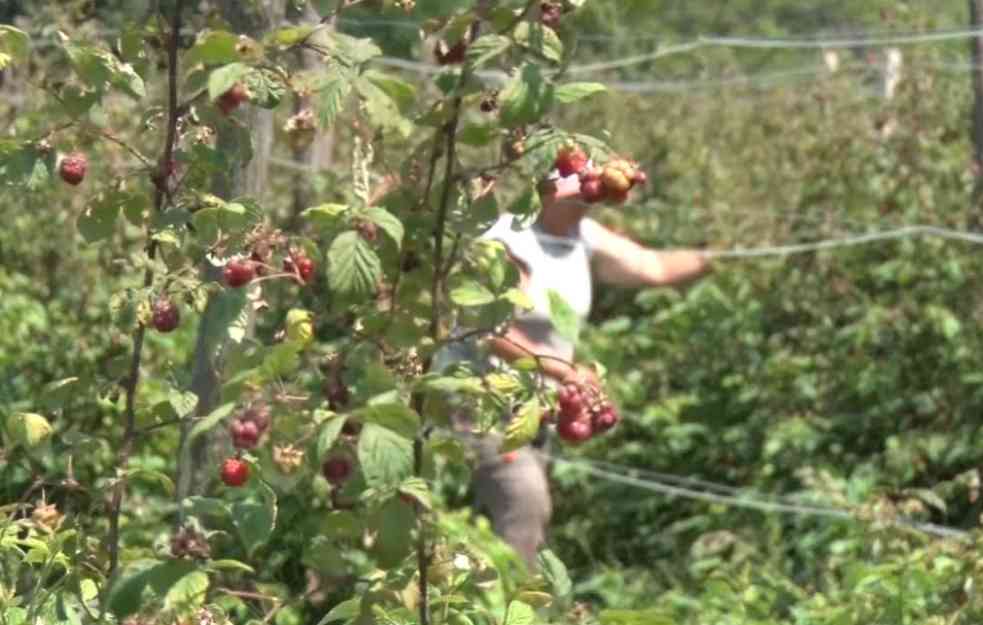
column 619, row 260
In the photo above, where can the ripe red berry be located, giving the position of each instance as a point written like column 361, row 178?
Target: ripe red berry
column 574, row 430
column 258, row 413
column 245, row 434
column 337, row 469
column 571, row 402
column 73, row 167
column 604, row 420
column 166, row 315
column 570, row 160
column 239, row 272
column 298, row 263
column 592, row 190
column 550, row 14
column 640, row 177
column 231, row 99
column 235, row 472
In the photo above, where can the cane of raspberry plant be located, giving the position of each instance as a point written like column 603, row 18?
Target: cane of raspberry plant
column 239, row 272
column 235, row 472
column 165, row 315
column 73, row 167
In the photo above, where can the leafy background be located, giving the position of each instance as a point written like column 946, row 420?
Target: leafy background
column 848, row 377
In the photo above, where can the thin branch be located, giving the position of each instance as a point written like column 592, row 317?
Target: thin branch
column 133, row 379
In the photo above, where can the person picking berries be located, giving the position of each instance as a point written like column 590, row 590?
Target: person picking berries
column 563, row 251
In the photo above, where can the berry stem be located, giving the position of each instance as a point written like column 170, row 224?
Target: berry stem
column 130, row 386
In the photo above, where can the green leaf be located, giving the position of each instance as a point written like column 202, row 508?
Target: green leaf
column 471, row 293
column 15, row 45
column 344, row 611
column 555, row 573
column 389, row 223
column 526, row 204
column 486, row 48
column 215, row 47
column 98, row 221
column 478, row 134
column 400, row 91
column 223, row 78
column 381, row 109
column 519, row 613
column 210, row 421
column 573, row 91
column 281, row 360
column 127, row 595
column 290, row 36
column 417, row 488
column 28, row 429
column 394, row 416
column 523, row 427
column 352, row 50
column 539, row 39
column 230, row 565
column 330, row 98
column 353, row 266
column 565, row 320
column 266, row 88
column 188, row 593
column 652, row 616
column 255, row 520
column 155, row 476
column 395, row 524
column 326, row 438
column 386, row 458
column 526, row 97
column 325, row 215
column 183, row 403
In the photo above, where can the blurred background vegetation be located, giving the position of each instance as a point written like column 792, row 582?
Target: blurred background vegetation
column 850, row 377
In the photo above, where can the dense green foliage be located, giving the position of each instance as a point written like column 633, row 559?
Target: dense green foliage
column 848, row 378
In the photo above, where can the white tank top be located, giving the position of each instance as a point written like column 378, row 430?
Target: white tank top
column 557, row 263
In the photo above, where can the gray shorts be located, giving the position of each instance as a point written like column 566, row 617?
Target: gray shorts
column 512, row 489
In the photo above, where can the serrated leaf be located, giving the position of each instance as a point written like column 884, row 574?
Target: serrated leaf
column 478, row 134
column 223, row 78
column 290, row 36
column 519, row 613
column 187, row 593
column 14, row 43
column 126, row 597
column 471, row 293
column 571, row 92
column 523, row 426
column 213, row 48
column 386, row 458
column 325, row 215
column 265, row 87
column 326, row 438
column 393, row 539
column 564, row 319
column 555, row 573
column 230, row 565
column 526, row 97
column 401, row 92
column 255, row 520
column 330, row 98
column 389, row 223
column 183, row 403
column 540, row 39
column 381, row 109
column 394, row 416
column 344, row 611
column 353, row 266
column 352, row 50
column 281, row 360
column 210, row 421
column 417, row 488
column 486, row 48
column 98, row 221
column 28, row 429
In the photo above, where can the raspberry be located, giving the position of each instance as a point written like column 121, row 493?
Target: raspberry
column 231, row 99
column 239, row 272
column 73, row 167
column 337, row 469
column 235, row 472
column 570, row 160
column 166, row 315
column 574, row 430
